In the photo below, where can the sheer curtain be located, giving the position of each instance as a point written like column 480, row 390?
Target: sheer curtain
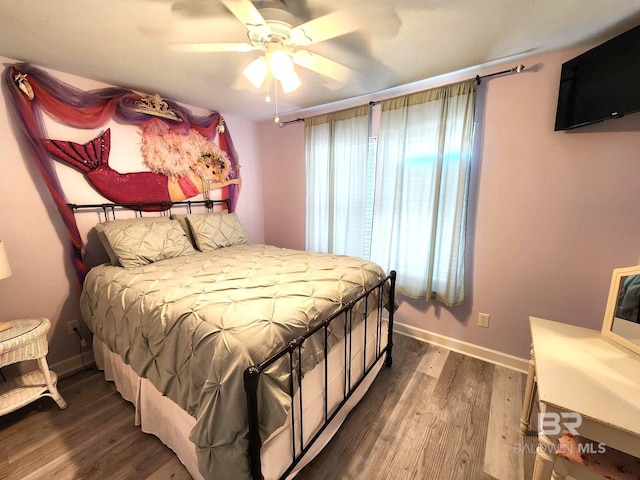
column 421, row 190
column 399, row 200
column 336, row 181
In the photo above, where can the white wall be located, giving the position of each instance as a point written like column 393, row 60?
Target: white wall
column 552, row 213
column 43, row 281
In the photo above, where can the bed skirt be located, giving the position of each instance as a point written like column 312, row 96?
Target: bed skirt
column 160, row 416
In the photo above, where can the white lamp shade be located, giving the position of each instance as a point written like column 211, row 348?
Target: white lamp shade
column 290, row 82
column 281, row 67
column 5, row 268
column 281, row 64
column 256, row 71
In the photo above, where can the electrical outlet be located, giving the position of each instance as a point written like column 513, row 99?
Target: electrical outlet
column 71, row 324
column 483, row 320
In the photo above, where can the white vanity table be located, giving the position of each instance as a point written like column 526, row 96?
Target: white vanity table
column 577, row 370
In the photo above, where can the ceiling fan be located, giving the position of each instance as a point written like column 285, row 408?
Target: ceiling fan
column 283, row 40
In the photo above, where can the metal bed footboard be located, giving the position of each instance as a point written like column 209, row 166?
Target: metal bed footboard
column 294, row 349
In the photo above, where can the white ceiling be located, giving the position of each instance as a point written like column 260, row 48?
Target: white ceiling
column 126, row 43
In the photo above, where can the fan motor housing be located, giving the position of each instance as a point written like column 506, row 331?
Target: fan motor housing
column 279, row 23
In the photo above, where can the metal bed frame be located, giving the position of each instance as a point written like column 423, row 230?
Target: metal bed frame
column 252, row 374
column 294, row 348
column 140, row 208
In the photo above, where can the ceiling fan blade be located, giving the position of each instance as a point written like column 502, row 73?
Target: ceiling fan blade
column 196, row 8
column 321, row 65
column 213, row 47
column 328, row 26
column 341, row 22
column 245, row 11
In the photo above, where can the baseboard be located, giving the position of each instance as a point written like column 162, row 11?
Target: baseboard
column 492, row 356
column 71, row 365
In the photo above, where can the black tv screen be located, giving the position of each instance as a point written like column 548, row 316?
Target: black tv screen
column 602, row 83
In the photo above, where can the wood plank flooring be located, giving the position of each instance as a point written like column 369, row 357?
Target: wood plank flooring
column 435, row 414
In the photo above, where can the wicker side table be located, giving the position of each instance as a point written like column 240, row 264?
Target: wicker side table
column 27, row 340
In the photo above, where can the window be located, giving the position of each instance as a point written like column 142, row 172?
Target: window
column 337, row 152
column 397, row 196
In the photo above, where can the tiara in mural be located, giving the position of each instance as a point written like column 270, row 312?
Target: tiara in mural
column 156, row 106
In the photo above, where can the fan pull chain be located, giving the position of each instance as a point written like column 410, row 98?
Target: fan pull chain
column 277, row 119
column 268, row 97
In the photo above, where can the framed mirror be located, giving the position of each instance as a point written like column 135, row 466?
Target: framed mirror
column 622, row 316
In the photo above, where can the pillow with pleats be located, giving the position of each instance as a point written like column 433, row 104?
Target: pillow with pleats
column 120, row 223
column 139, row 241
column 181, row 218
column 216, row 230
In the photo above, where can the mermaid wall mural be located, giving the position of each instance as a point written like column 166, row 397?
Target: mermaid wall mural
column 185, row 155
column 180, row 166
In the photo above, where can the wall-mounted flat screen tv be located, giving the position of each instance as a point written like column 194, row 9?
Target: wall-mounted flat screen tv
column 602, row 83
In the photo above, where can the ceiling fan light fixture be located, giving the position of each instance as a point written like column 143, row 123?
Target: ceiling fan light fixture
column 280, row 64
column 256, row 71
column 290, row 82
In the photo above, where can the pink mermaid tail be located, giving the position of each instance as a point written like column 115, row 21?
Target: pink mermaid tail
column 92, row 159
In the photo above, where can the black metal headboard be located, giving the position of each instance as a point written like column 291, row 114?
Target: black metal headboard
column 146, row 207
column 93, row 253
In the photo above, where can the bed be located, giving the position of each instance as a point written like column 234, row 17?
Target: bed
column 243, row 358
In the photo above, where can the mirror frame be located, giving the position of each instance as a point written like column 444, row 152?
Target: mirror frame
column 612, row 304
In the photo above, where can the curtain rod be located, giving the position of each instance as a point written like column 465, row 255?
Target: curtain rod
column 282, row 124
column 517, row 69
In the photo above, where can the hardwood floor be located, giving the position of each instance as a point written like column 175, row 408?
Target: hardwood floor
column 435, row 414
